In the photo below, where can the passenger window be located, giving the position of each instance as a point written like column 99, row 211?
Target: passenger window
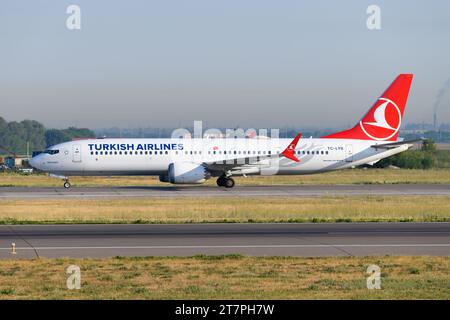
column 92, row 153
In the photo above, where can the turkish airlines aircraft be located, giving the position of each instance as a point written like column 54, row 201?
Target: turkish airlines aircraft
column 193, row 161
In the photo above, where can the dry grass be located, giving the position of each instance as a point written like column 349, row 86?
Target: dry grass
column 227, row 277
column 230, row 209
column 351, row 176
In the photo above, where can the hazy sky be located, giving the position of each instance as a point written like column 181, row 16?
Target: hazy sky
column 252, row 63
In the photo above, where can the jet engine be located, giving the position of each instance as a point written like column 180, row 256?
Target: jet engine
column 186, row 173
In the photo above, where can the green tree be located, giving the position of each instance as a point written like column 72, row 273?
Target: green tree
column 428, row 145
column 55, row 136
column 15, row 135
column 411, row 159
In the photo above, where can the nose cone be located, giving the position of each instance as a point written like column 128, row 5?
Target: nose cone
column 34, row 162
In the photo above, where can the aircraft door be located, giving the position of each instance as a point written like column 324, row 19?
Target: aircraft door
column 76, row 151
column 349, row 153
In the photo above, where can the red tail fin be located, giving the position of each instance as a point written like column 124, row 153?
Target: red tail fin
column 383, row 120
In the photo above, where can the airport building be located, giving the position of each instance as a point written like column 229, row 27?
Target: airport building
column 16, row 162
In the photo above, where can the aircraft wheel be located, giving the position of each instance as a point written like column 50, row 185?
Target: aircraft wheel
column 221, row 182
column 67, row 184
column 229, row 183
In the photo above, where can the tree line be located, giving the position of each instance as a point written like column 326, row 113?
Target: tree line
column 14, row 136
column 425, row 158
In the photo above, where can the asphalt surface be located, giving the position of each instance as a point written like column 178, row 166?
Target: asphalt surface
column 339, row 239
column 213, row 191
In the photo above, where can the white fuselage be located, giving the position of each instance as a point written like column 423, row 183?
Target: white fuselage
column 245, row 156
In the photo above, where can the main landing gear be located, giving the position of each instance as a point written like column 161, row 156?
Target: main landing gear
column 226, row 182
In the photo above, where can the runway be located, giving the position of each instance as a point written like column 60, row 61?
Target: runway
column 213, row 191
column 338, row 239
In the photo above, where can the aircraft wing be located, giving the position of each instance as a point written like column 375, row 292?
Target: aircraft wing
column 395, row 144
column 251, row 161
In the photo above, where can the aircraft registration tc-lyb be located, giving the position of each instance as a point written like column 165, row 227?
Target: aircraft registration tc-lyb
column 193, row 161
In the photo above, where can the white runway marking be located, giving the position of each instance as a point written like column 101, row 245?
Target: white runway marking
column 240, row 246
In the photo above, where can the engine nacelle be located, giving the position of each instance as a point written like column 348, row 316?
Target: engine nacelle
column 187, row 173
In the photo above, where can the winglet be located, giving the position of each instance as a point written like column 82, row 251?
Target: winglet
column 289, row 151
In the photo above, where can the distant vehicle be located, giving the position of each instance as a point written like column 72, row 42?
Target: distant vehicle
column 193, row 161
column 25, row 170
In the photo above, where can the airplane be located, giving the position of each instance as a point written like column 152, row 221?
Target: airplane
column 193, row 161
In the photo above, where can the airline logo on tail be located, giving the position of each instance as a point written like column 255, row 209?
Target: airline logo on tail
column 385, row 120
column 382, row 122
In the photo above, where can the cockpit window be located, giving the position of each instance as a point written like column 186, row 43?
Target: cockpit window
column 51, row 151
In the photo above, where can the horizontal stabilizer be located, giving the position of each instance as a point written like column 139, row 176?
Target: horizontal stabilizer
column 395, row 144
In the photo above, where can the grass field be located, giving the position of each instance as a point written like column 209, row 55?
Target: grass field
column 227, row 277
column 350, row 176
column 229, row 209
column 174, row 210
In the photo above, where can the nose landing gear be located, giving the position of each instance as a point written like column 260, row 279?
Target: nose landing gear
column 65, row 179
column 66, row 184
column 226, row 182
